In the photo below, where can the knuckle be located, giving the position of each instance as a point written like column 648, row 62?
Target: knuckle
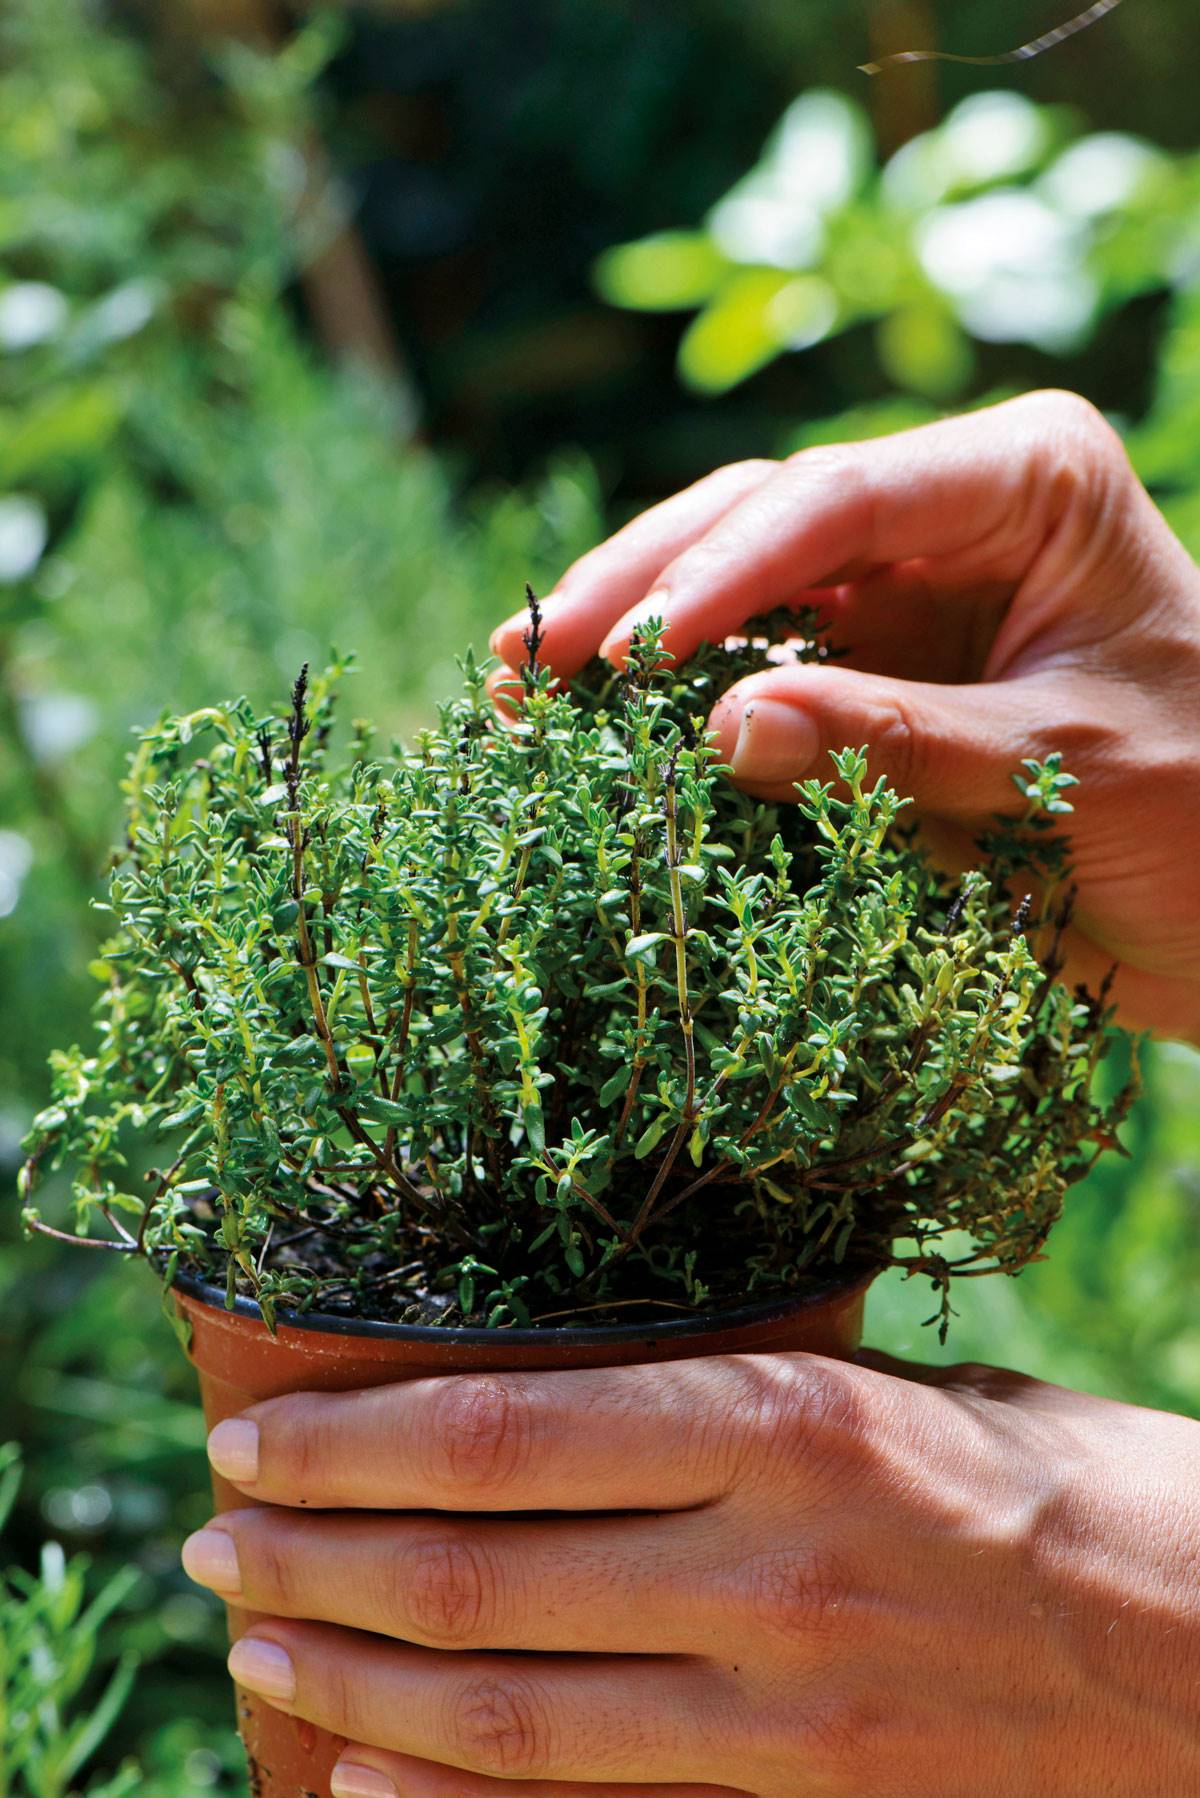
column 482, row 1432
column 445, row 1591
column 894, row 741
column 843, row 468
column 340, row 1705
column 301, row 1451
column 502, row 1729
column 271, row 1565
column 974, row 1380
column 794, row 1594
column 693, row 566
column 1060, row 406
column 821, row 1415
column 842, row 1741
column 720, row 1438
column 752, row 467
column 833, row 460
column 1076, row 430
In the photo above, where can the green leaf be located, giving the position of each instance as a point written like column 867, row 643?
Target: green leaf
column 535, row 1126
column 615, row 1086
column 651, row 1136
column 644, row 948
column 86, row 1738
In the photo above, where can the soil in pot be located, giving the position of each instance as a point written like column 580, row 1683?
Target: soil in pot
column 239, row 1362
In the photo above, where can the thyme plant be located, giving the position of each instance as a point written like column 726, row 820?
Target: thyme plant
column 548, row 1022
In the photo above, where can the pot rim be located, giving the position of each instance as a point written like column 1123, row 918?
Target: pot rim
column 326, row 1324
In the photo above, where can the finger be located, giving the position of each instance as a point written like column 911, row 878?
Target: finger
column 370, row 1773
column 648, row 1438
column 909, row 621
column 953, row 750
column 533, row 1717
column 597, row 589
column 986, row 495
column 565, row 1585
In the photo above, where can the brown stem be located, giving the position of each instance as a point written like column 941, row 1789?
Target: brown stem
column 387, row 1166
column 687, row 1023
column 127, row 1247
column 639, row 1051
column 601, row 1211
column 297, row 731
column 545, row 1317
column 410, row 987
column 457, row 961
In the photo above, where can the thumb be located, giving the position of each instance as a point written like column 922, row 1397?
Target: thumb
column 953, row 750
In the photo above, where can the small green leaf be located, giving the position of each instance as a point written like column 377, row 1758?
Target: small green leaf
column 360, row 1059
column 614, row 1087
column 535, row 1125
column 651, row 1136
column 381, row 1110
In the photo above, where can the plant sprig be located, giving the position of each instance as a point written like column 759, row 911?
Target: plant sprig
column 525, row 1021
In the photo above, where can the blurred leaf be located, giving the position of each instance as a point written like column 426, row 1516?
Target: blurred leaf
column 923, row 349
column 734, row 336
column 669, row 272
column 77, row 422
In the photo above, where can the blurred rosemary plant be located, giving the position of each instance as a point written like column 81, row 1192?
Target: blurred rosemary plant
column 550, row 1022
column 56, row 1707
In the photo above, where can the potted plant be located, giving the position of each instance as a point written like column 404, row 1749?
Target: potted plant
column 537, row 1044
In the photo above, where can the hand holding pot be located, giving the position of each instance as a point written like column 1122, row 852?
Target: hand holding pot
column 1004, row 588
column 768, row 1575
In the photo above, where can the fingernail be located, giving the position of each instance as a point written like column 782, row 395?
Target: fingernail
column 775, row 742
column 653, row 606
column 362, row 1782
column 210, row 1558
column 233, row 1450
column 263, row 1667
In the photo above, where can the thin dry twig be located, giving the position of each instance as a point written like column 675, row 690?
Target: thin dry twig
column 1037, row 46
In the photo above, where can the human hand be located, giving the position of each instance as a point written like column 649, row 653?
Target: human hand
column 768, row 1575
column 1004, row 588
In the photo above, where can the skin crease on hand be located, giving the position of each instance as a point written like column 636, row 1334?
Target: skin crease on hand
column 795, row 1577
column 777, row 1575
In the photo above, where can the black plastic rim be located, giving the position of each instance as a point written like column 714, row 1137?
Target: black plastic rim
column 326, row 1324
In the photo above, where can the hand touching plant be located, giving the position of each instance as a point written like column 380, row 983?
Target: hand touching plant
column 515, row 1026
column 1004, row 587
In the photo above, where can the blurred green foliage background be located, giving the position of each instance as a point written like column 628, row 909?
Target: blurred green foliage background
column 341, row 326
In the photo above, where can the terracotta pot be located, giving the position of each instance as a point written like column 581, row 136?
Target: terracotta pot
column 239, row 1362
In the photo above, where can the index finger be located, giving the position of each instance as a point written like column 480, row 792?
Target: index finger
column 602, row 585
column 637, row 1438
